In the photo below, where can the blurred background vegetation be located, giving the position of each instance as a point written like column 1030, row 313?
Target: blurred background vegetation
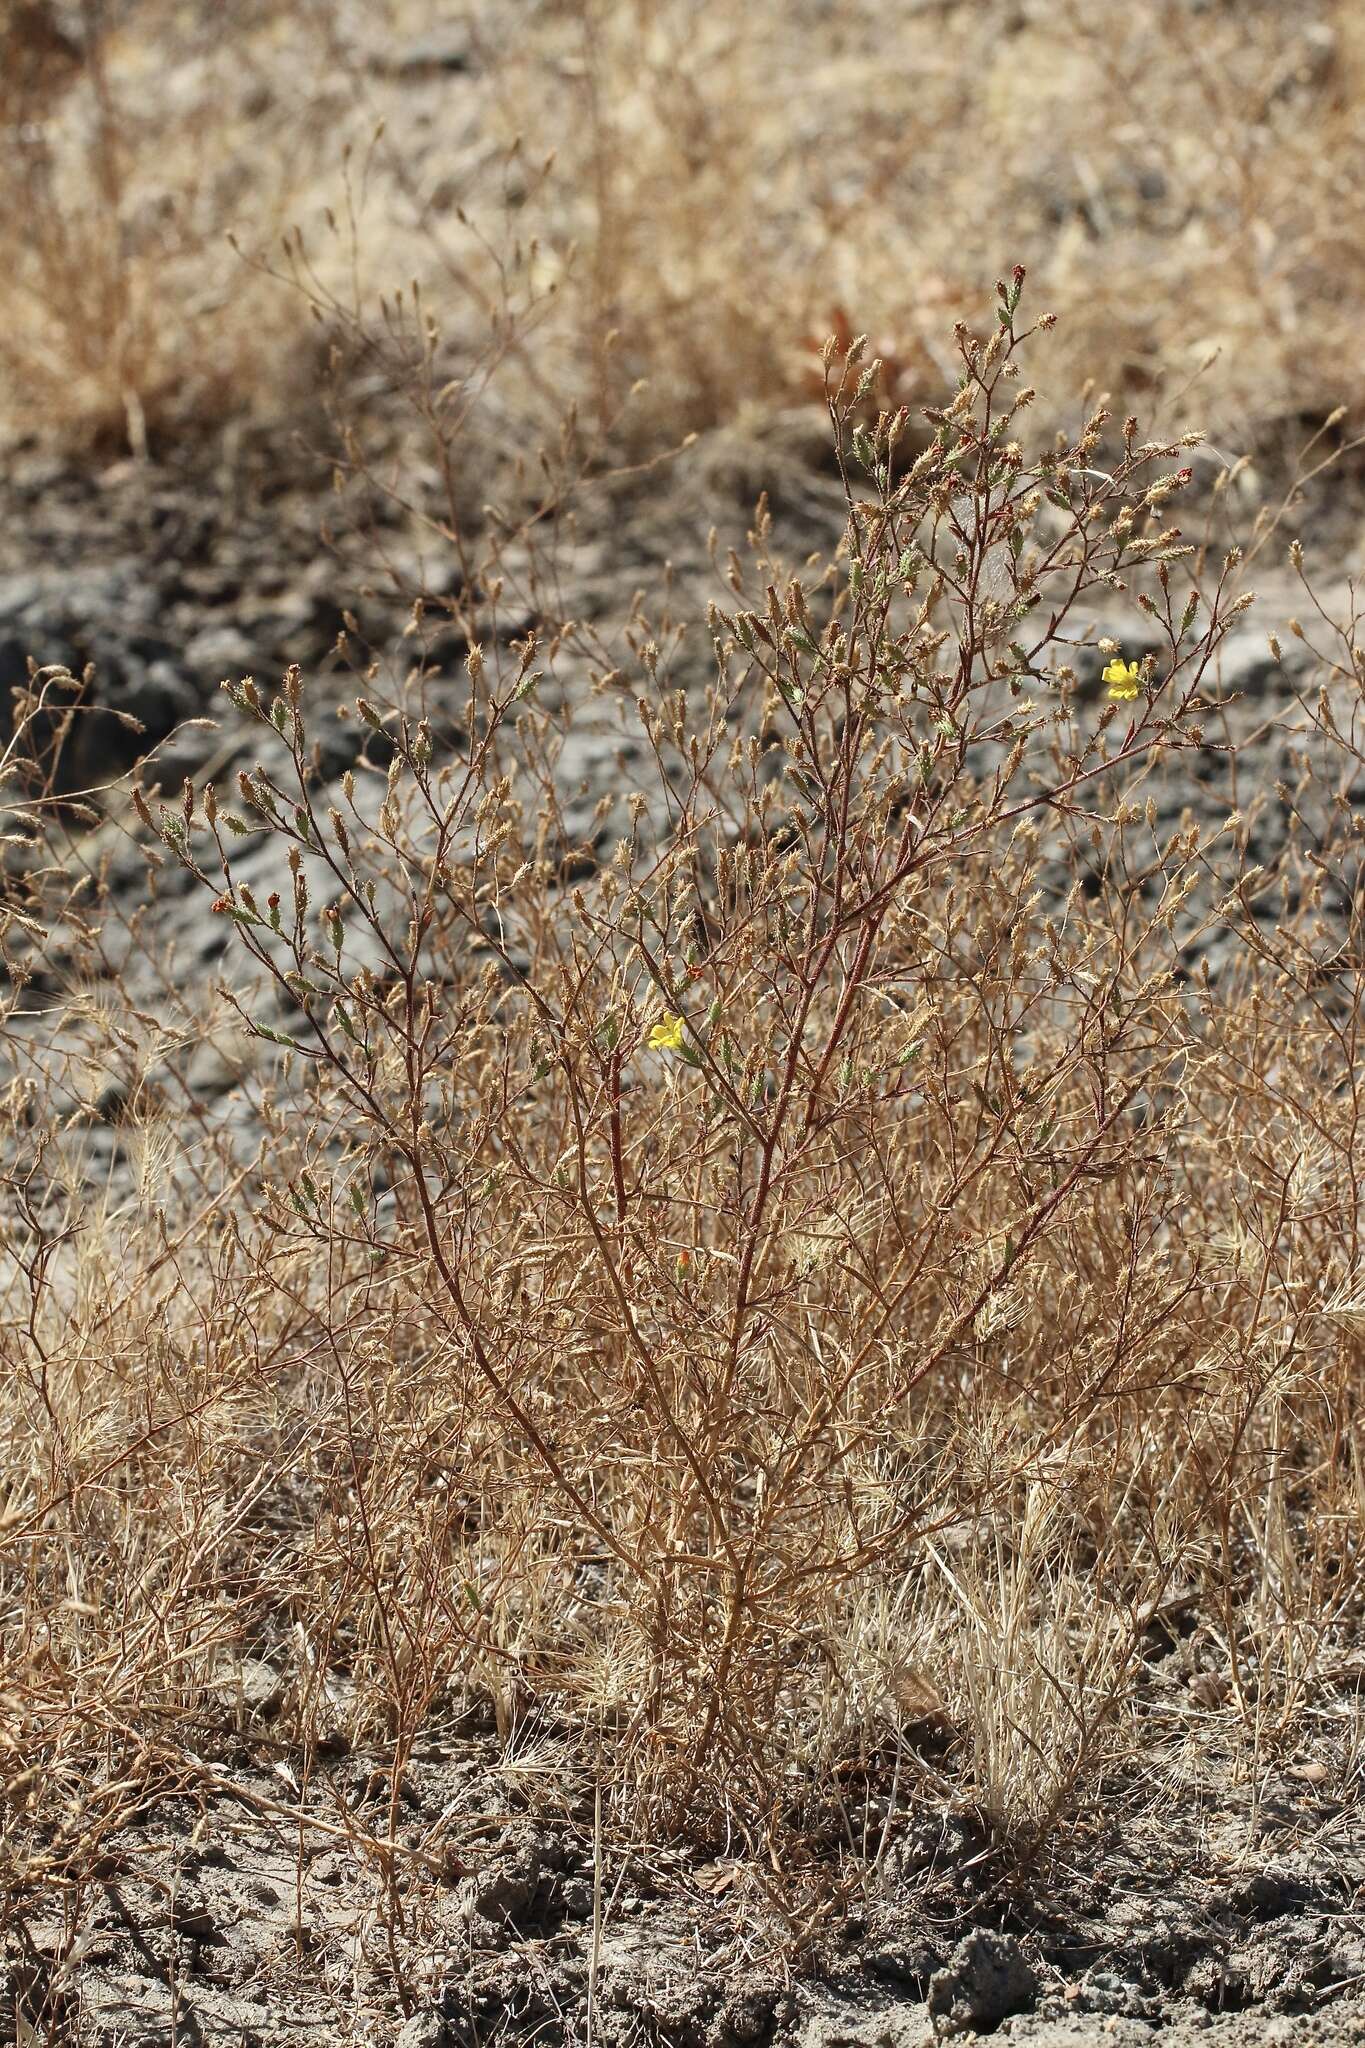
column 1184, row 181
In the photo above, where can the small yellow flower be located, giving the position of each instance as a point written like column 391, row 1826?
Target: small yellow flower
column 667, row 1034
column 1122, row 678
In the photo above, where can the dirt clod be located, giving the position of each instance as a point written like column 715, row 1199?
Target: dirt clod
column 988, row 1978
column 518, row 1891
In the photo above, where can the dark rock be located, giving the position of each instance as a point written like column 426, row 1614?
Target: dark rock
column 1115, row 1991
column 108, row 618
column 448, row 47
column 575, row 1898
column 133, row 708
column 336, row 744
column 987, row 1979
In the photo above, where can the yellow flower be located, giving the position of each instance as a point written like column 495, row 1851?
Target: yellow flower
column 1122, row 678
column 667, row 1034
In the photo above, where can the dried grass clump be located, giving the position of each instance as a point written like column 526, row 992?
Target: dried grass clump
column 135, row 140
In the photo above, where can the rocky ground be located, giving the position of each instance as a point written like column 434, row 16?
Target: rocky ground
column 251, row 1909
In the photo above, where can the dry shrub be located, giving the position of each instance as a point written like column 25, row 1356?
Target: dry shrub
column 801, row 1266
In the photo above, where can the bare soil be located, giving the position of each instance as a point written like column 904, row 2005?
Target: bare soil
column 269, row 1902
